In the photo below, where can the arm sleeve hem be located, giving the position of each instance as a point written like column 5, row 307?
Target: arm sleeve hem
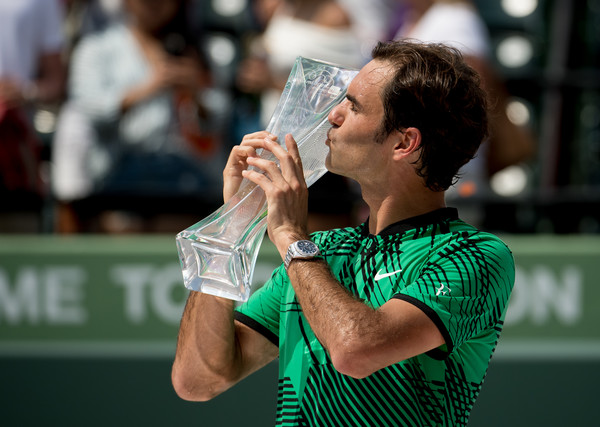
column 258, row 327
column 436, row 353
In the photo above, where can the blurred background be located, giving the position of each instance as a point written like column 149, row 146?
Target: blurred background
column 116, row 117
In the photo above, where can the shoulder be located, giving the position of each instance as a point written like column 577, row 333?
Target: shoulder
column 488, row 240
column 469, row 235
column 332, row 239
column 482, row 253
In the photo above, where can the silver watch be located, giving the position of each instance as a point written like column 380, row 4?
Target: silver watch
column 302, row 249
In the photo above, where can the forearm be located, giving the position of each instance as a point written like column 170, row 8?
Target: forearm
column 344, row 324
column 206, row 360
column 359, row 339
column 213, row 350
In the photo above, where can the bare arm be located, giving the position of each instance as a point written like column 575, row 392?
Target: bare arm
column 214, row 351
column 360, row 339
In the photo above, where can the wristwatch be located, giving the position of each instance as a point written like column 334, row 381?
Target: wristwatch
column 301, row 249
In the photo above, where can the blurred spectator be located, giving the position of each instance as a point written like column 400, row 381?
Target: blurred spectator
column 31, row 73
column 136, row 127
column 316, row 29
column 458, row 24
column 371, row 21
column 83, row 17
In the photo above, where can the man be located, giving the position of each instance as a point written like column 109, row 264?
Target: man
column 394, row 323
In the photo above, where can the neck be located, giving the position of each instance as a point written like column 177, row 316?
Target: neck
column 391, row 208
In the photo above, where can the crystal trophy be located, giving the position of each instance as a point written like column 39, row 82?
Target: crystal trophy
column 218, row 254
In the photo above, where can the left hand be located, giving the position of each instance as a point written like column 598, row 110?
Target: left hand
column 286, row 192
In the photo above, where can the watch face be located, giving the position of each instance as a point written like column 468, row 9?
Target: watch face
column 307, row 247
column 304, row 249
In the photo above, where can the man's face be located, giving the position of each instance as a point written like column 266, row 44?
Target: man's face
column 354, row 148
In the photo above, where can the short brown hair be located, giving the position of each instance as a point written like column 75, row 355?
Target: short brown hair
column 434, row 90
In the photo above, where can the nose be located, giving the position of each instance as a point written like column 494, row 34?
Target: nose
column 336, row 116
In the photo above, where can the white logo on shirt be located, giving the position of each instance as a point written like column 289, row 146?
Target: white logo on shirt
column 381, row 275
column 441, row 291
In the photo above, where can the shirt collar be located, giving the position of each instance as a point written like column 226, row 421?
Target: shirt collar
column 433, row 217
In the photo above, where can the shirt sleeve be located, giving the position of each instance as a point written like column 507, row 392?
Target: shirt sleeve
column 464, row 288
column 262, row 310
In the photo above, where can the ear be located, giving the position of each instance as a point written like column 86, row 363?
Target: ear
column 407, row 141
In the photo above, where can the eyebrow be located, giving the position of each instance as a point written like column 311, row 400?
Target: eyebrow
column 353, row 100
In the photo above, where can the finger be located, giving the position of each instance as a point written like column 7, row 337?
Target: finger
column 262, row 180
column 247, row 148
column 291, row 163
column 292, row 148
column 238, row 156
column 268, row 167
column 273, row 146
column 256, row 139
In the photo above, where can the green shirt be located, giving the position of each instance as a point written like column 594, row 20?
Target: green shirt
column 458, row 276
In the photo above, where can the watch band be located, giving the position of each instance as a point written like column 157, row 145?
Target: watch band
column 301, row 249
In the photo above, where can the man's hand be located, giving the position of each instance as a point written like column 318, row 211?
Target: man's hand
column 285, row 189
column 238, row 161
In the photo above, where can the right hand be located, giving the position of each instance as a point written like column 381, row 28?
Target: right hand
column 232, row 174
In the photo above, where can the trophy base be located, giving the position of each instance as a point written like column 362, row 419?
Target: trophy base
column 198, row 261
column 219, row 263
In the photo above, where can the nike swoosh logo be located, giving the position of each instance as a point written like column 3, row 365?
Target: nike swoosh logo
column 380, row 275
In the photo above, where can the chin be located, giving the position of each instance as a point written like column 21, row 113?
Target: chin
column 328, row 162
column 332, row 169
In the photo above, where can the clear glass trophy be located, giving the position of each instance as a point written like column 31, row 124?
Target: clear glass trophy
column 218, row 254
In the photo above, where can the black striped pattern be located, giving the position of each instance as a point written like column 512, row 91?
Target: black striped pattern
column 434, row 389
column 394, row 396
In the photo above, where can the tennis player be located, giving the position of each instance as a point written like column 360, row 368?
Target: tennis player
column 391, row 323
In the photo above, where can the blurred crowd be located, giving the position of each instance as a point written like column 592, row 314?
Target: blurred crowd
column 115, row 115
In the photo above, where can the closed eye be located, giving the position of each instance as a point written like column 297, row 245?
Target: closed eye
column 354, row 104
